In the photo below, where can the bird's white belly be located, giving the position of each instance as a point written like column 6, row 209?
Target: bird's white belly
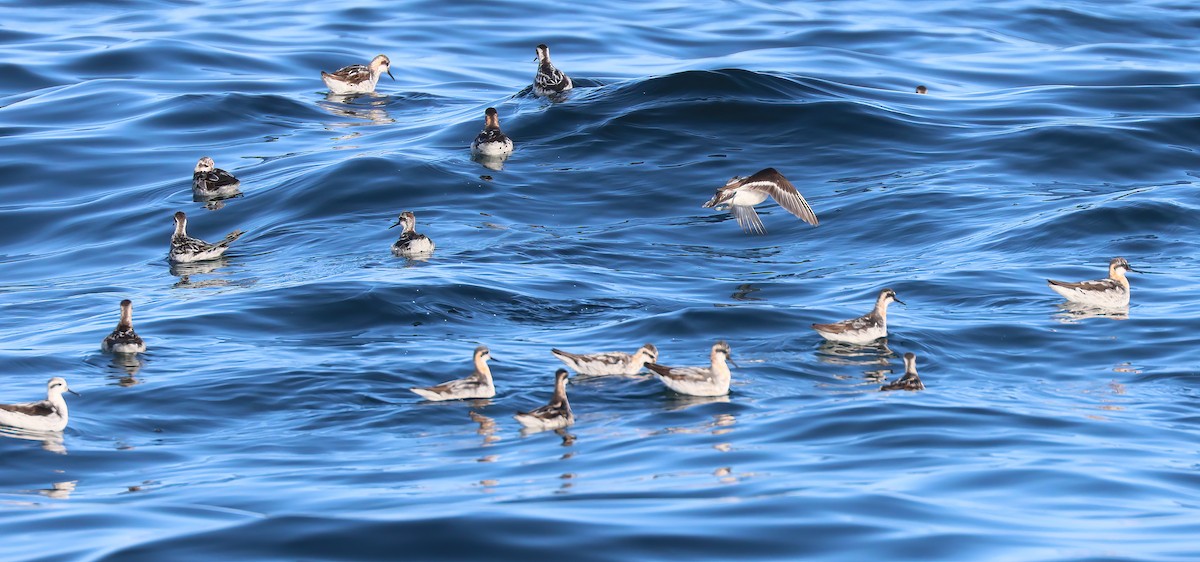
column 493, row 149
column 1111, row 298
column 747, row 197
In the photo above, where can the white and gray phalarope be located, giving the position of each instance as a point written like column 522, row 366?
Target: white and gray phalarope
column 910, row 380
column 123, row 339
column 555, row 415
column 549, row 80
column 864, row 329
column 185, row 249
column 609, row 362
column 211, row 182
column 357, row 78
column 44, row 415
column 1105, row 293
column 491, row 142
column 742, row 194
column 699, row 381
column 478, row 385
column 410, row 244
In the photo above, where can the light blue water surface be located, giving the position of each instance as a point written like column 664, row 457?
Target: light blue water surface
column 270, row 418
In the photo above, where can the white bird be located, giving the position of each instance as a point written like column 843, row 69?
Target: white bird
column 557, row 414
column 185, row 249
column 742, row 194
column 211, row 182
column 478, row 385
column 123, row 339
column 491, row 142
column 549, row 80
column 1105, row 293
column 44, row 415
column 609, row 362
column 410, row 244
column 910, row 380
column 864, row 329
column 357, row 78
column 698, row 381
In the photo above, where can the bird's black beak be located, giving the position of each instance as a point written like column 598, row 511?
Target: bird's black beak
column 731, row 362
column 398, row 223
column 899, row 301
column 1132, row 270
column 73, row 392
column 390, row 74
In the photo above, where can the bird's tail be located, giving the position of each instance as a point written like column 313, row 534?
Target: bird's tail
column 229, row 238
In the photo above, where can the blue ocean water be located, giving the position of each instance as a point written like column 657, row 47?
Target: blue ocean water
column 270, row 418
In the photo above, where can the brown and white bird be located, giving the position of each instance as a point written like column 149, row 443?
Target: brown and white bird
column 477, row 385
column 910, row 380
column 609, row 362
column 864, row 329
column 411, row 244
column 742, row 194
column 211, row 182
column 491, row 142
column 44, row 415
column 1105, row 293
column 549, row 80
column 357, row 78
column 185, row 249
column 699, row 381
column 123, row 339
column 555, row 415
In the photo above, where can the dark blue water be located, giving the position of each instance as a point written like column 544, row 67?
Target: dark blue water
column 270, row 418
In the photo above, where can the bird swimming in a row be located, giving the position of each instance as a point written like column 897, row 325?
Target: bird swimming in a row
column 557, row 414
column 910, row 380
column 742, row 194
column 549, row 81
column 477, row 385
column 864, row 329
column 609, row 362
column 699, row 381
column 185, row 249
column 411, row 244
column 1112, row 292
column 357, row 78
column 211, row 182
column 44, row 415
column 491, row 142
column 123, row 339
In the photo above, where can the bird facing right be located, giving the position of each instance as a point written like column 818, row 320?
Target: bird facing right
column 864, row 329
column 44, row 415
column 699, row 381
column 357, row 78
column 609, row 362
column 477, row 385
column 1112, row 292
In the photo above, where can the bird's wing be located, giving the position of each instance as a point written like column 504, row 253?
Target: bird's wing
column 748, row 219
column 783, row 192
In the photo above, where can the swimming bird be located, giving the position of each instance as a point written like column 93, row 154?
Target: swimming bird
column 1106, row 293
column 549, row 80
column 44, row 415
column 922, row 89
column 185, row 249
column 478, row 385
column 557, row 414
column 410, row 243
column 609, row 362
column 742, row 194
column 698, row 381
column 491, row 142
column 864, row 329
column 910, row 380
column 356, row 78
column 123, row 339
column 209, row 181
